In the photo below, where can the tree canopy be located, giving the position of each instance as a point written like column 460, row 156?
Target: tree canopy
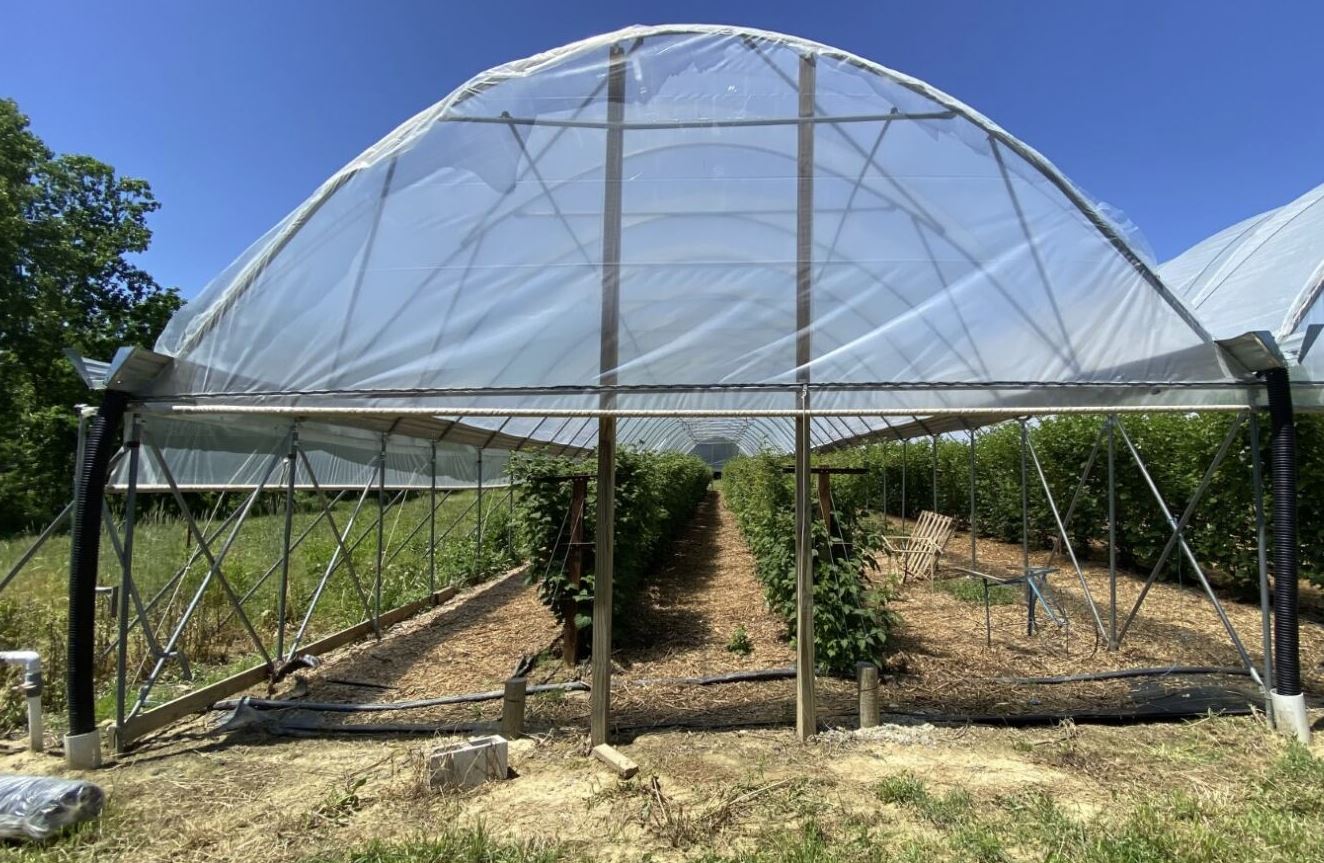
column 69, row 225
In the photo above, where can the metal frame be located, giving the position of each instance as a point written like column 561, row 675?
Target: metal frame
column 132, row 712
column 1110, row 634
column 134, row 613
column 607, row 389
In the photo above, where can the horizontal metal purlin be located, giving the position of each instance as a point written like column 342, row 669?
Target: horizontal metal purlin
column 791, row 388
column 680, row 413
column 700, row 124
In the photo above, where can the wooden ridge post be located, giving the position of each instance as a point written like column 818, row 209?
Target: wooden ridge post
column 806, row 708
column 600, row 697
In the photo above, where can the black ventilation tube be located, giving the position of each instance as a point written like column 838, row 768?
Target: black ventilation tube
column 1286, row 643
column 100, row 444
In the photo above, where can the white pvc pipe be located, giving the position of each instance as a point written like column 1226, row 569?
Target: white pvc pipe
column 1289, row 715
column 31, row 686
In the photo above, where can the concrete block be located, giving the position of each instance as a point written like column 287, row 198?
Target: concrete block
column 459, row 766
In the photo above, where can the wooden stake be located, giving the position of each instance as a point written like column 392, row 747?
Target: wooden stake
column 512, row 709
column 574, row 569
column 867, row 673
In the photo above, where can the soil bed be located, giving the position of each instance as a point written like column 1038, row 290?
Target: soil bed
column 688, row 617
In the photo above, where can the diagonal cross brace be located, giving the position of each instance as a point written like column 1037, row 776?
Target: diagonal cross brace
column 214, row 571
column 1178, row 536
column 178, row 575
column 149, row 633
column 215, row 560
column 341, row 553
column 336, row 534
column 1066, row 540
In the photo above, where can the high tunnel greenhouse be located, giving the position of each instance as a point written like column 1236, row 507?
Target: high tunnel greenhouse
column 668, row 238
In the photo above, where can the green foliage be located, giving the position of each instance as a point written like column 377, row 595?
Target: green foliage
column 970, row 589
column 850, row 619
column 740, row 643
column 34, row 608
column 68, row 225
column 656, row 495
column 1176, row 448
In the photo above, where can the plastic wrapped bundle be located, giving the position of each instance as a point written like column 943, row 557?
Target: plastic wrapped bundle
column 38, row 807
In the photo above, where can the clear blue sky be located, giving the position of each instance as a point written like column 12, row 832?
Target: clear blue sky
column 1187, row 115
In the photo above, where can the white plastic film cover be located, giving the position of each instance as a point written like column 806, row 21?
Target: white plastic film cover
column 460, row 261
column 1264, row 273
column 237, row 452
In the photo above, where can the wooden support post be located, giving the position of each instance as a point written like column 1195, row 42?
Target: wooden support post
column 806, row 707
column 609, row 358
column 825, row 497
column 512, row 708
column 805, row 700
column 574, row 568
column 602, row 581
column 867, row 673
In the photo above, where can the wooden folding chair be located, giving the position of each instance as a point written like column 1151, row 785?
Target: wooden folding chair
column 917, row 553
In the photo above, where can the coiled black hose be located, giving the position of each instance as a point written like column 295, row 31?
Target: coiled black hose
column 99, row 446
column 1286, row 645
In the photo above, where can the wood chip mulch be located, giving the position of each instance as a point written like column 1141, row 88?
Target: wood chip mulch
column 707, row 589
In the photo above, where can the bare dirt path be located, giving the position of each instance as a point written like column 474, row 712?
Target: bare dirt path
column 695, row 603
column 684, row 627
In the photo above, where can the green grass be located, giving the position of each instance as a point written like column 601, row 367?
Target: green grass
column 33, row 609
column 970, row 589
column 951, row 808
column 473, row 845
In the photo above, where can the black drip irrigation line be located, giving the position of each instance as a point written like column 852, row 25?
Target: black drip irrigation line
column 382, row 706
column 1089, row 717
column 734, row 677
column 1165, row 671
column 289, row 728
column 492, row 694
column 1136, row 715
column 286, row 727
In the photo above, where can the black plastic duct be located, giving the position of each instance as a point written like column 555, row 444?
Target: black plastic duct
column 1286, row 642
column 101, row 443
